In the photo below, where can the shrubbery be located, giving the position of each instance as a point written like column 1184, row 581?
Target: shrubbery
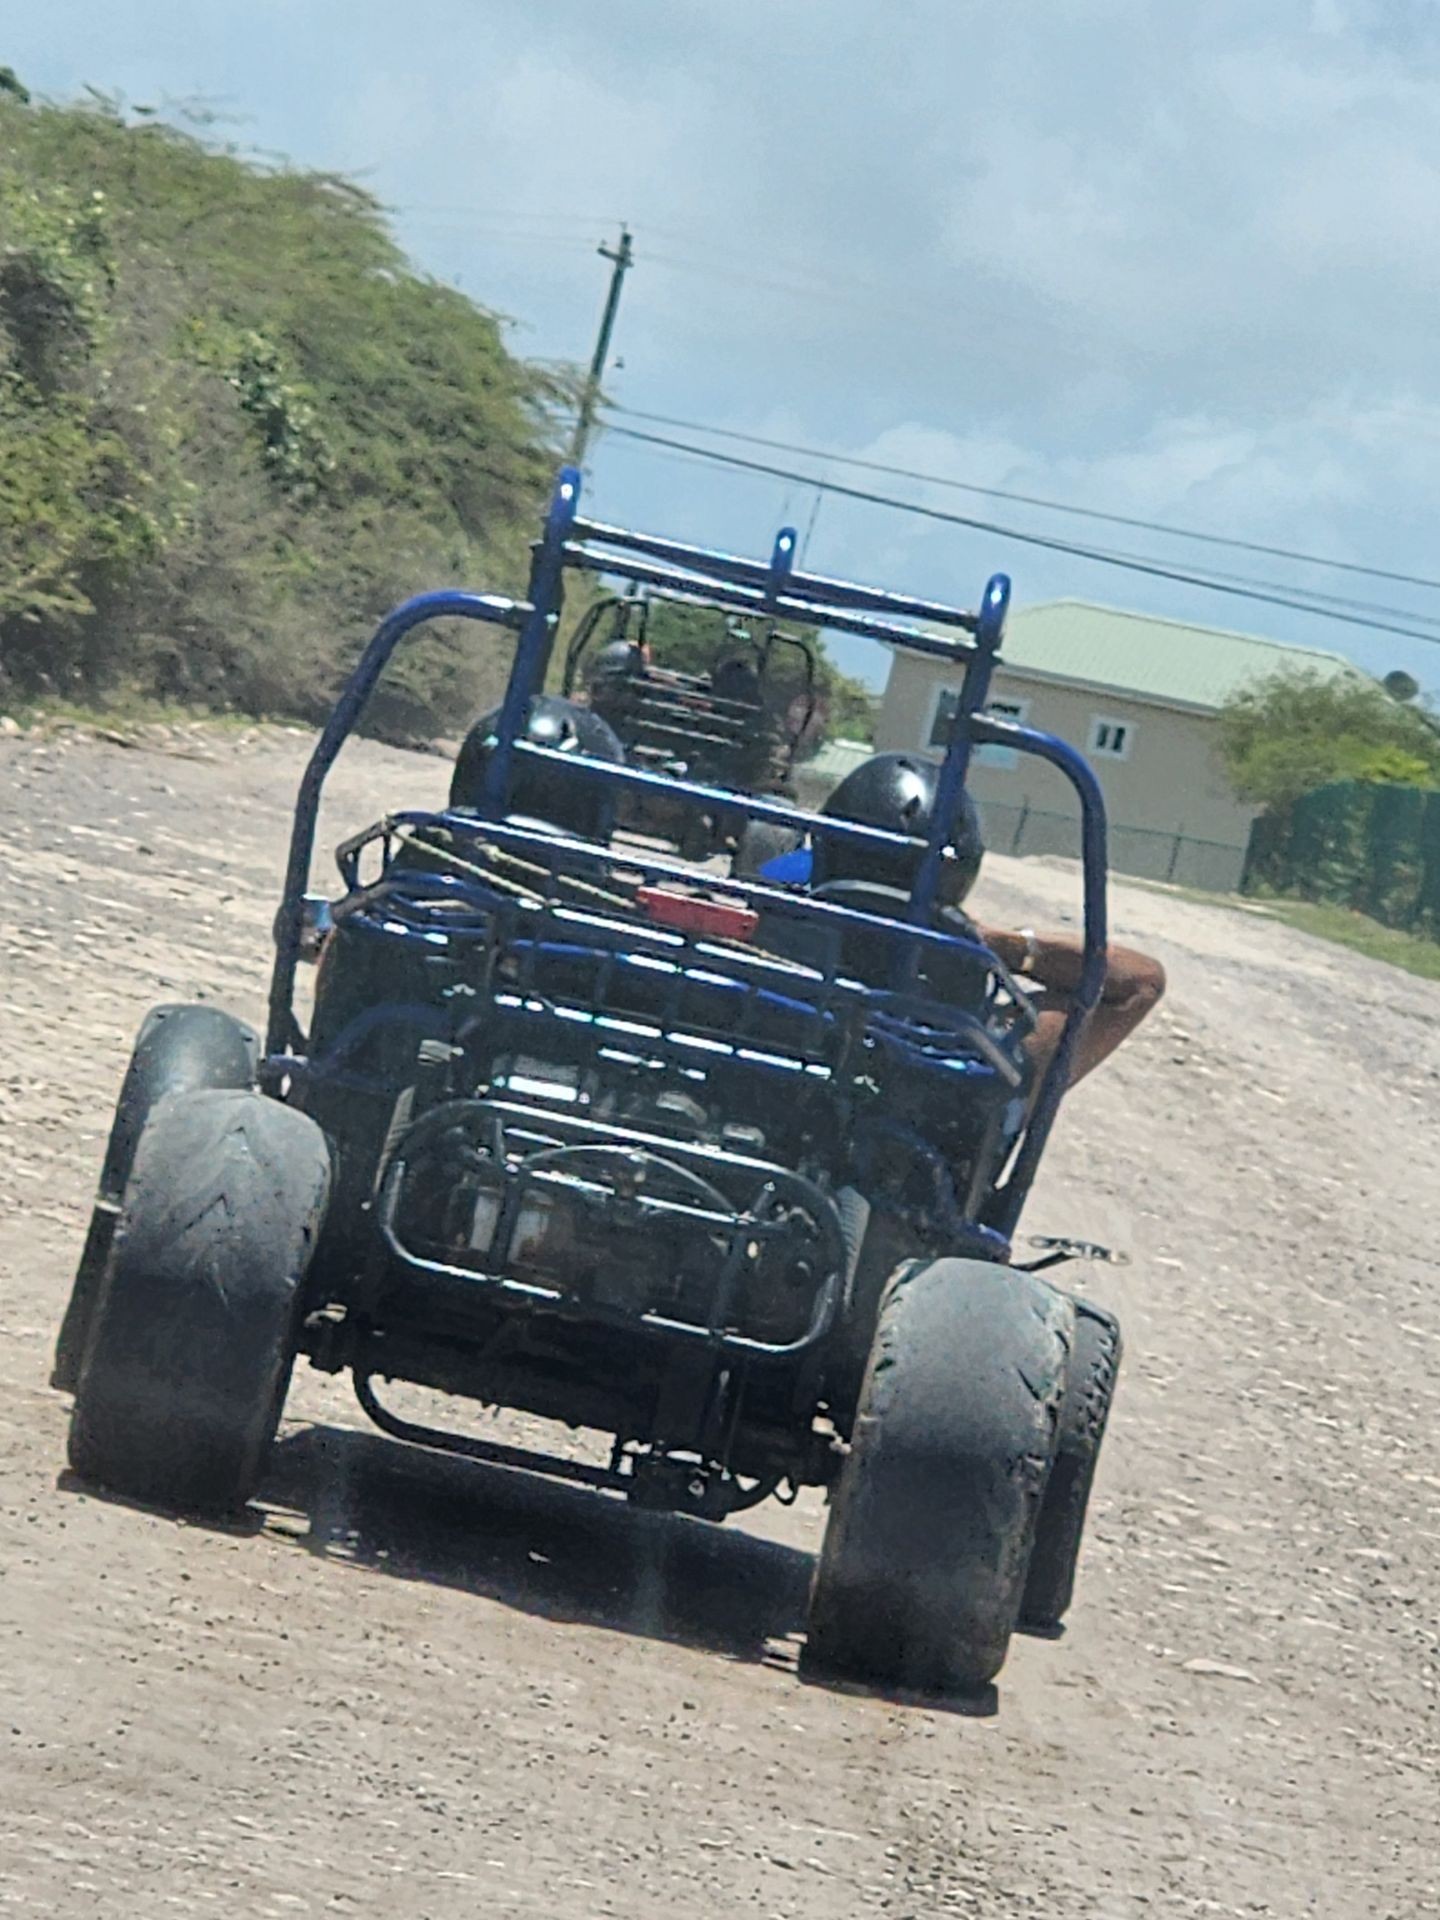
column 236, row 425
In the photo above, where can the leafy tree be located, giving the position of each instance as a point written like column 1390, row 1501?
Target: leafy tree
column 1296, row 731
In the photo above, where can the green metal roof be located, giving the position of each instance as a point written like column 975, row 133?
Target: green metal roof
column 1153, row 659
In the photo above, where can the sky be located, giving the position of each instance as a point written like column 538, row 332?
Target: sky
column 1169, row 260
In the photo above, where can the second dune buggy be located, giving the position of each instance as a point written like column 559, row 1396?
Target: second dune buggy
column 742, row 725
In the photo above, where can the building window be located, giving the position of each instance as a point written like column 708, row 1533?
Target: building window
column 1111, row 739
column 1016, row 710
column 945, row 704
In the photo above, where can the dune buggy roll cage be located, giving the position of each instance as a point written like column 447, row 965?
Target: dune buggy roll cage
column 671, row 714
column 773, row 591
column 674, row 710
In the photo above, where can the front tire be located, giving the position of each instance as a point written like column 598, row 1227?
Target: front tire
column 180, row 1049
column 196, row 1319
column 920, row 1578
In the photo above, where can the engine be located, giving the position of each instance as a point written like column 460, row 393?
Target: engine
column 604, row 1159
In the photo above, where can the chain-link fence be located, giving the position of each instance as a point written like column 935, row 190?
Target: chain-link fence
column 1147, row 852
column 1150, row 853
column 1360, row 844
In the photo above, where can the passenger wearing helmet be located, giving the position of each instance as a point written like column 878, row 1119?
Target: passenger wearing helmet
column 547, row 794
column 736, row 678
column 898, row 791
column 619, row 660
column 616, row 682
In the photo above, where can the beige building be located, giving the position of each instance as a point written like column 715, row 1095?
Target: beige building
column 1139, row 696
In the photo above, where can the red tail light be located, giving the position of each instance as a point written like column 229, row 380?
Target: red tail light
column 720, row 919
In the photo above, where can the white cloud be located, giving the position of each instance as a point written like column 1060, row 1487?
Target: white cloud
column 1334, row 479
column 1168, row 259
column 1234, row 212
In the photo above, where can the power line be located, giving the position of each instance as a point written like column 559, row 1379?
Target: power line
column 1035, row 500
column 1378, row 618
column 802, row 289
column 571, row 243
column 830, row 297
column 730, row 270
column 716, row 263
column 1315, row 601
column 1152, row 569
column 697, row 457
column 473, row 215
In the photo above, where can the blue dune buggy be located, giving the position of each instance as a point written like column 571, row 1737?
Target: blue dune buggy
column 725, row 1169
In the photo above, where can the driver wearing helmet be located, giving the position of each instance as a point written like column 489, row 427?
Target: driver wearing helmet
column 897, row 791
column 736, row 678
column 619, row 660
column 547, row 792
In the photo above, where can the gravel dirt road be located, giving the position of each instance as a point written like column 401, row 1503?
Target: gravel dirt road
column 418, row 1689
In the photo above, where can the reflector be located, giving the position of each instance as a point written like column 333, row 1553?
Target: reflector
column 721, row 919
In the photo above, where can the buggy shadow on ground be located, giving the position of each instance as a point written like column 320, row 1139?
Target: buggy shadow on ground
column 546, row 1549
column 553, row 1552
column 556, row 1552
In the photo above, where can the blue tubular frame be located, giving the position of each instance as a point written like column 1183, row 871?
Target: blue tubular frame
column 537, row 634
column 813, row 590
column 1008, row 1201
column 740, row 598
column 974, row 692
column 971, row 641
column 281, row 1032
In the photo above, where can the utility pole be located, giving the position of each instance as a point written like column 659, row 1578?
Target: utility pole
column 623, row 257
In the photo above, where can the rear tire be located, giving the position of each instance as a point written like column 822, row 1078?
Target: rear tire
column 923, row 1566
column 196, row 1319
column 180, row 1049
column 1090, row 1388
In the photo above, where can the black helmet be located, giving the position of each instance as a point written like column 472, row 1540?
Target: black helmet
column 736, row 678
column 897, row 791
column 574, row 802
column 617, row 661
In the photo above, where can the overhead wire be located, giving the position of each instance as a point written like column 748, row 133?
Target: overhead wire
column 731, row 270
column 1119, row 555
column 1169, row 528
column 1269, row 594
column 567, row 228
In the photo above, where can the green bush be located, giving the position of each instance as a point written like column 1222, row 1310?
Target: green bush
column 236, row 426
column 1294, row 732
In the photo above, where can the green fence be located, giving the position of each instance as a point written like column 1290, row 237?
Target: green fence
column 1358, row 843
